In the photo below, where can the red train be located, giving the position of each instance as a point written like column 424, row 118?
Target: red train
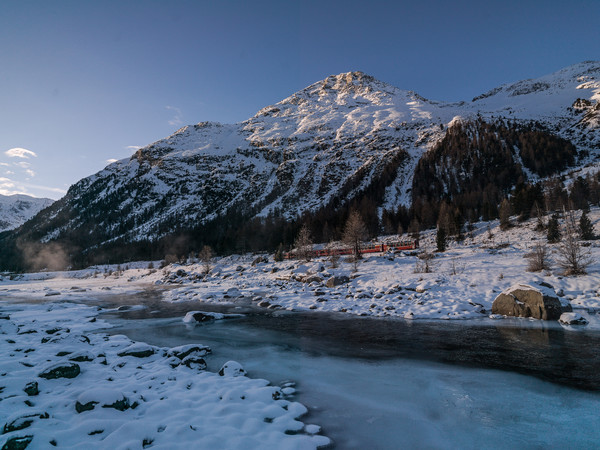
column 371, row 247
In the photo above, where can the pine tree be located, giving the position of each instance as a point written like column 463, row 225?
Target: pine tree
column 440, row 239
column 505, row 215
column 586, row 229
column 553, row 235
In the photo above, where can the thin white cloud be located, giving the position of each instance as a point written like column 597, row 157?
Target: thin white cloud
column 110, row 161
column 178, row 119
column 133, row 148
column 7, row 187
column 10, row 187
column 18, row 152
column 23, row 164
column 30, row 172
column 45, row 188
column 4, row 164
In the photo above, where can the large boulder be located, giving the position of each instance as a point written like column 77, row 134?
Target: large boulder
column 536, row 301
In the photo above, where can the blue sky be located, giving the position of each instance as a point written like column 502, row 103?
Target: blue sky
column 83, row 82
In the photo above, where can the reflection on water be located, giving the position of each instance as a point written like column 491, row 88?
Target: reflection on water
column 533, row 347
column 387, row 384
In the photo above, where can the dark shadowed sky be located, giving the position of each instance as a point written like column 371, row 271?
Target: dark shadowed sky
column 84, row 82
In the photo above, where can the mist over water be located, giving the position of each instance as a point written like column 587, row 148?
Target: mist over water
column 391, row 384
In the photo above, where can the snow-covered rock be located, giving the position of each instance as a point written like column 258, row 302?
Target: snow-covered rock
column 571, row 318
column 205, row 316
column 232, row 369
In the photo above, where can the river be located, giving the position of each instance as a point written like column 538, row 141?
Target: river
column 383, row 384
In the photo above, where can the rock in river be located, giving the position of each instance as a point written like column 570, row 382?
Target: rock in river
column 571, row 318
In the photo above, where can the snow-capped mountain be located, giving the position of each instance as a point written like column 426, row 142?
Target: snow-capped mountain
column 342, row 136
column 17, row 209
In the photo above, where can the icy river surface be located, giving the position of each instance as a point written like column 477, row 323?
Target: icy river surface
column 386, row 384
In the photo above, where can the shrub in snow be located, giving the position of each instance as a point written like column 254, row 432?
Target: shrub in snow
column 538, row 259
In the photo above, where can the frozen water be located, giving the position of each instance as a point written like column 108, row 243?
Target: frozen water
column 395, row 402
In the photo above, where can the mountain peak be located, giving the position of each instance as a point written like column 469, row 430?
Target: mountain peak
column 584, row 75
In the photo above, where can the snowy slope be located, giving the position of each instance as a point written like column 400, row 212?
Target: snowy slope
column 17, row 209
column 331, row 139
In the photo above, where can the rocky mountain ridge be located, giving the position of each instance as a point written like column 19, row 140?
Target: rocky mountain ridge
column 319, row 148
column 17, row 209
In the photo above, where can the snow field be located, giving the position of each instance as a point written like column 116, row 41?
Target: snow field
column 129, row 395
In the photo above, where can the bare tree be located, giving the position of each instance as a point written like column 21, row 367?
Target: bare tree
column 573, row 257
column 206, row 255
column 355, row 232
column 334, row 258
column 538, row 259
column 425, row 263
column 456, row 266
column 536, row 211
column 304, row 243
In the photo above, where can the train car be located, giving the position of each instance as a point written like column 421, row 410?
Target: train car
column 366, row 248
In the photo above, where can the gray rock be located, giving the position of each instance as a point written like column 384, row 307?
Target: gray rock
column 201, row 317
column 538, row 302
column 194, row 361
column 17, row 442
column 22, row 422
column 31, row 389
column 138, row 350
column 337, row 281
column 61, row 370
column 312, row 279
column 184, row 351
column 571, row 318
column 260, row 259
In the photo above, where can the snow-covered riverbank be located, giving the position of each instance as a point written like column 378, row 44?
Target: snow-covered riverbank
column 64, row 385
column 462, row 284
